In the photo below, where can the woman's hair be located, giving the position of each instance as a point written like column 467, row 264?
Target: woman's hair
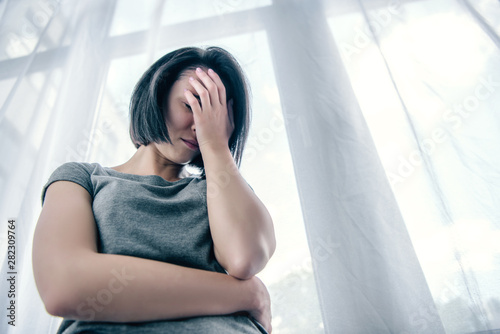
column 147, row 124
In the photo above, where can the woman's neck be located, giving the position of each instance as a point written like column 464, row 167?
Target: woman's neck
column 147, row 160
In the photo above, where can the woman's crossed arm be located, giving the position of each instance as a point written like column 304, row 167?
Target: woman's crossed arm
column 77, row 282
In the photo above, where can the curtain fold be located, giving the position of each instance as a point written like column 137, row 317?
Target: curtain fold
column 47, row 131
column 482, row 22
column 438, row 85
column 368, row 276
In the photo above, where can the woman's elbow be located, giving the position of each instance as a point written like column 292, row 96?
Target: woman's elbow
column 247, row 266
column 58, row 304
column 55, row 307
column 57, row 291
column 242, row 272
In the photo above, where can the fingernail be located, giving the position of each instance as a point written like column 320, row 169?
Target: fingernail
column 198, row 70
column 191, row 78
column 210, row 70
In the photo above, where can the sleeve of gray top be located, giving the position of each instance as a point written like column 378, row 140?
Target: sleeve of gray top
column 75, row 172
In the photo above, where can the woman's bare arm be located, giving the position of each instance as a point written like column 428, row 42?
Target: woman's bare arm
column 241, row 226
column 75, row 281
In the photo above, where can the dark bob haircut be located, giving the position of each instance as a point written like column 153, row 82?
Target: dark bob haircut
column 147, row 124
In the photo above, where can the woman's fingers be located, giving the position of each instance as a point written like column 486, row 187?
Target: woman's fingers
column 192, row 101
column 220, row 86
column 208, row 85
column 213, row 84
column 202, row 92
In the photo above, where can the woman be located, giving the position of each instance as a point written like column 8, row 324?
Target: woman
column 145, row 247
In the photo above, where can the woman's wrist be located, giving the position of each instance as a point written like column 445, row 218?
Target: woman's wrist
column 217, row 159
column 214, row 149
column 259, row 302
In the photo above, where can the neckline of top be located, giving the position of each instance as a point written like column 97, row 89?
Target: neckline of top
column 151, row 176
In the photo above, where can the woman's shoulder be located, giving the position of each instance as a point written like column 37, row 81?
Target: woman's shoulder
column 75, row 166
column 77, row 172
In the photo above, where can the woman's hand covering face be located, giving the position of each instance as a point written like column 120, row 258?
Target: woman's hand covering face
column 214, row 119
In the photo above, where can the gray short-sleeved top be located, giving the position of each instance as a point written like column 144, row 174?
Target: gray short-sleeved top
column 149, row 217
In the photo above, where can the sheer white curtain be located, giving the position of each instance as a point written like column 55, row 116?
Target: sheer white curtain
column 53, row 63
column 426, row 77
column 382, row 112
column 437, row 75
